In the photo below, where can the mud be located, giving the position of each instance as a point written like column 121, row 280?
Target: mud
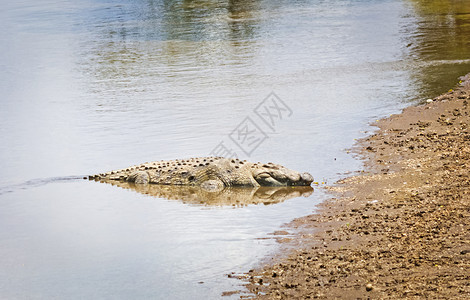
column 400, row 229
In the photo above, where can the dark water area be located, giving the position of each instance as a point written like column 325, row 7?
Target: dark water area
column 92, row 86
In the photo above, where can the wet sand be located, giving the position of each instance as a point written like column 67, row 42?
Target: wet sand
column 400, row 229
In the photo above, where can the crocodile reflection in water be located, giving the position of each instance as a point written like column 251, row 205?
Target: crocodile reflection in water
column 231, row 196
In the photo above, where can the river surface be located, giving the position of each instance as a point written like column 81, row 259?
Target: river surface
column 94, row 85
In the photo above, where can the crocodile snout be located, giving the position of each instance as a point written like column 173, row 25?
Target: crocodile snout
column 282, row 178
column 307, row 178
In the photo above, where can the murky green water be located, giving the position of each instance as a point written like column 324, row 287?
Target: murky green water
column 90, row 86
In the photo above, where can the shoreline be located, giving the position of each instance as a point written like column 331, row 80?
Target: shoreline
column 399, row 230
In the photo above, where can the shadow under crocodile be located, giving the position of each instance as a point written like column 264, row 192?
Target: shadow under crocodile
column 230, row 196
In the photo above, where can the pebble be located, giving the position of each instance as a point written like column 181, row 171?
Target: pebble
column 369, row 287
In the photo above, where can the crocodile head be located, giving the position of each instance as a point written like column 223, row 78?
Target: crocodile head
column 276, row 175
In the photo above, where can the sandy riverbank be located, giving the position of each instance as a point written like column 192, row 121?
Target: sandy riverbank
column 399, row 230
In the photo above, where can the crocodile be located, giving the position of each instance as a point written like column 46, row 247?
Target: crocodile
column 212, row 173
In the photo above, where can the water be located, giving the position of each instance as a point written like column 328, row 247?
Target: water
column 91, row 86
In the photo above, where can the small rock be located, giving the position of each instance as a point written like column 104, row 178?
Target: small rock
column 369, row 287
column 429, row 100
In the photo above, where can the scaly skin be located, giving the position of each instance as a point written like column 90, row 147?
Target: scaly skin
column 208, row 172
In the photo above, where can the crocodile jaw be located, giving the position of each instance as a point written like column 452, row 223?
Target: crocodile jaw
column 276, row 175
